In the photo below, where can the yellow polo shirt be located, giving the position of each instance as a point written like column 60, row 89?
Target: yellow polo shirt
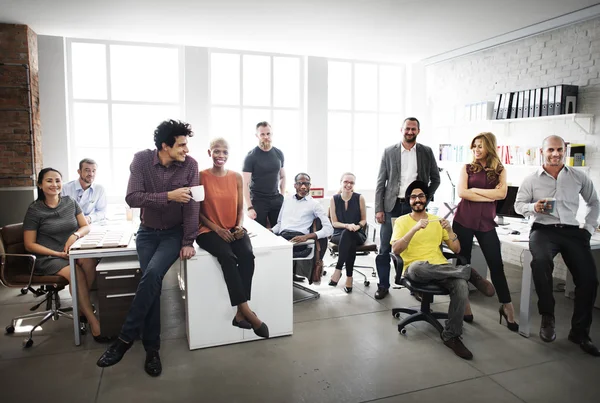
column 425, row 245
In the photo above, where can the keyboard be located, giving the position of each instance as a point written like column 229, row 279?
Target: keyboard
column 114, row 238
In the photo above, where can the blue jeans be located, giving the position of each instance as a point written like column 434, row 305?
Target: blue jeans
column 382, row 261
column 157, row 251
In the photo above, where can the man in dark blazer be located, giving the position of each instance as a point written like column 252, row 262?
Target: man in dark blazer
column 401, row 164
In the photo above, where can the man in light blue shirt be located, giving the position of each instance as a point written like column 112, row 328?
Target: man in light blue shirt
column 90, row 196
column 551, row 196
column 298, row 213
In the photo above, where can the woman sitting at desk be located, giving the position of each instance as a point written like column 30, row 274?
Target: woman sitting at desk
column 481, row 183
column 51, row 225
column 349, row 218
column 222, row 234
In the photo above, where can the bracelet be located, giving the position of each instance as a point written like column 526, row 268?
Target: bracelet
column 76, row 235
column 250, row 208
column 455, row 238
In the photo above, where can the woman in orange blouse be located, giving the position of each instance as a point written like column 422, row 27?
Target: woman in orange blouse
column 221, row 234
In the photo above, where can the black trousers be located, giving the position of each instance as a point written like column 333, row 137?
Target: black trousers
column 347, row 242
column 237, row 262
column 573, row 243
column 490, row 247
column 267, row 208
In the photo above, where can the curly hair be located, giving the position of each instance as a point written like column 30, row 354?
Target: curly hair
column 493, row 167
column 167, row 131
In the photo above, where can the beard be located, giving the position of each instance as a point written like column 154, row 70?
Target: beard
column 418, row 207
column 265, row 143
column 410, row 139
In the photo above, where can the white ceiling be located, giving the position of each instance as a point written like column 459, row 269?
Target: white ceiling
column 382, row 30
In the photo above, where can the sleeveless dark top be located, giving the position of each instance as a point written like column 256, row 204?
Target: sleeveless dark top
column 478, row 216
column 349, row 216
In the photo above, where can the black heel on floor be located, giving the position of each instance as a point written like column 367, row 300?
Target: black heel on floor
column 512, row 326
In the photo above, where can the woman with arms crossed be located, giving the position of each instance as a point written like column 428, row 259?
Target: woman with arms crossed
column 481, row 183
column 222, row 235
column 51, row 225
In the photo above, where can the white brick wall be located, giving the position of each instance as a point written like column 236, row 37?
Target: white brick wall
column 569, row 55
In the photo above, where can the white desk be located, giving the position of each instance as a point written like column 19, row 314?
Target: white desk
column 94, row 253
column 208, row 309
column 527, row 287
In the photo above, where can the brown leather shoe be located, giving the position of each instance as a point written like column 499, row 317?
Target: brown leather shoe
column 547, row 332
column 481, row 284
column 459, row 348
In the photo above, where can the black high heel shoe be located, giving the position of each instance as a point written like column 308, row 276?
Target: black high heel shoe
column 348, row 289
column 334, row 283
column 468, row 318
column 512, row 326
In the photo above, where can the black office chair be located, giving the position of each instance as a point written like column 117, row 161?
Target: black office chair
column 361, row 250
column 427, row 291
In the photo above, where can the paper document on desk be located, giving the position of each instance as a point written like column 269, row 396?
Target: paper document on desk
column 520, row 238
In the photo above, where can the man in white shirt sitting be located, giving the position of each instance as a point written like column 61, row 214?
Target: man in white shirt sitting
column 90, row 196
column 298, row 213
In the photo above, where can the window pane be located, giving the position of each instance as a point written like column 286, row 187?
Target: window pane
column 257, row 80
column 90, row 123
column 134, row 125
column 365, row 147
column 286, row 79
column 225, row 78
column 122, row 158
column 225, row 122
column 104, row 173
column 88, row 67
column 144, row 73
column 339, row 147
column 365, row 87
column 389, row 131
column 390, row 89
column 339, row 85
column 287, row 136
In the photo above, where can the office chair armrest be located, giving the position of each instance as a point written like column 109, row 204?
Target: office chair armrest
column 460, row 260
column 309, row 242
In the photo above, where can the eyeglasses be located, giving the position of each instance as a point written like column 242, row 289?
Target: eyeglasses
column 348, row 183
column 303, row 183
column 419, row 196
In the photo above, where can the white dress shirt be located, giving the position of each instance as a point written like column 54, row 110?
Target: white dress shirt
column 566, row 188
column 298, row 215
column 408, row 168
column 91, row 200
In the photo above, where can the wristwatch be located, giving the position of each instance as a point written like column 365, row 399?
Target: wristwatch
column 77, row 235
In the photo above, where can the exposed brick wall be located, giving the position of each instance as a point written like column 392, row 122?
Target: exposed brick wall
column 18, row 45
column 570, row 55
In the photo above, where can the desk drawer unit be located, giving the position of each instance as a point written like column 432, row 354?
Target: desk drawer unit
column 117, row 280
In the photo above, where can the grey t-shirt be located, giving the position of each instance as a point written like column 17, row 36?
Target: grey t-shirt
column 53, row 225
column 265, row 167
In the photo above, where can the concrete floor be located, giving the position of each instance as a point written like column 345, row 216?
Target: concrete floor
column 345, row 348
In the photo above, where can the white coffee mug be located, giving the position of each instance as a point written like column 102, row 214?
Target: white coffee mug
column 197, row 193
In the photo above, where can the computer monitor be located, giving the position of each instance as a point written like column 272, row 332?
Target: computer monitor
column 506, row 207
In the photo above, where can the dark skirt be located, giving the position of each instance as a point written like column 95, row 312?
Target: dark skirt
column 49, row 265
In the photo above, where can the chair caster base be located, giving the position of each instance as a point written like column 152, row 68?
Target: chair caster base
column 27, row 343
column 10, row 329
column 367, row 283
column 402, row 331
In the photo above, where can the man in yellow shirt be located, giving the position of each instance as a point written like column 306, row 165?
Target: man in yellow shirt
column 417, row 238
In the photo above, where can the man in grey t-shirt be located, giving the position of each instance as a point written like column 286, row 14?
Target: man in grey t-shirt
column 264, row 178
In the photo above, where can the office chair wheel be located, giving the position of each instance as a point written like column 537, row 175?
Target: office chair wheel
column 324, row 272
column 402, row 331
column 82, row 329
column 24, row 291
column 396, row 315
column 367, row 283
column 10, row 329
column 373, row 274
column 27, row 343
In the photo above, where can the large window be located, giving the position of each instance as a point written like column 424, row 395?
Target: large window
column 365, row 114
column 118, row 94
column 249, row 88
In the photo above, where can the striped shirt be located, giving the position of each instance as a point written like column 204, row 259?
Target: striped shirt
column 53, row 226
column 149, row 183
